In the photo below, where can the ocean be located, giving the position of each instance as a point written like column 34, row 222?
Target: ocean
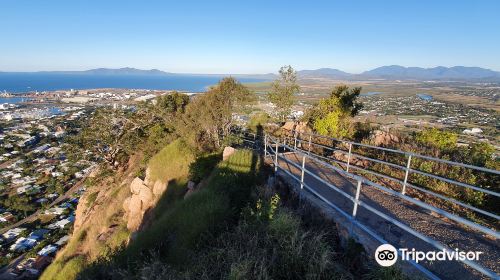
column 12, row 100
column 25, row 82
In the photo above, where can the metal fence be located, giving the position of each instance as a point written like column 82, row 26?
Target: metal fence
column 407, row 169
column 272, row 146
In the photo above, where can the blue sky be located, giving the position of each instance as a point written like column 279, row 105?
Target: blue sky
column 247, row 36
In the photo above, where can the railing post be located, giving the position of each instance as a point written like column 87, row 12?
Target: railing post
column 406, row 174
column 302, row 172
column 309, row 148
column 265, row 146
column 356, row 199
column 295, row 141
column 276, row 157
column 349, row 157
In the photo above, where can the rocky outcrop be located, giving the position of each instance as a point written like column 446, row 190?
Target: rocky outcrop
column 228, row 151
column 300, row 127
column 191, row 189
column 343, row 157
column 144, row 195
column 159, row 188
column 383, row 138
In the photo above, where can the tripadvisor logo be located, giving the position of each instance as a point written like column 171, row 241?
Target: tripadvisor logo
column 387, row 255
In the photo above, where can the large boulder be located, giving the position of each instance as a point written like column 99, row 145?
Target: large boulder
column 289, row 126
column 135, row 205
column 301, row 127
column 383, row 138
column 126, row 204
column 147, row 179
column 228, row 151
column 189, row 193
column 134, row 222
column 191, row 185
column 159, row 188
column 146, row 196
column 136, row 185
column 296, row 126
column 135, row 213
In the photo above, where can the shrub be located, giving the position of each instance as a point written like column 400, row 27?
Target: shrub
column 280, row 249
column 443, row 140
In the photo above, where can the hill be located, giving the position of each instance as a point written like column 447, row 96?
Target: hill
column 391, row 72
column 436, row 73
column 324, row 73
column 396, row 72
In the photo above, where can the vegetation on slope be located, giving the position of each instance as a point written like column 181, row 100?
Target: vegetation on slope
column 102, row 209
column 178, row 231
column 233, row 228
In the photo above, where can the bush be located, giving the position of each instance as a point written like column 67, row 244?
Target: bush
column 433, row 137
column 280, row 249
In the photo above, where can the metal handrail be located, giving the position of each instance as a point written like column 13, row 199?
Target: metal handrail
column 357, row 202
column 486, row 213
column 405, row 197
column 497, row 172
column 408, row 170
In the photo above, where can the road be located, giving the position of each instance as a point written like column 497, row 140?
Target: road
column 445, row 231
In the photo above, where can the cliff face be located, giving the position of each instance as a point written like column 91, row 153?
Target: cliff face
column 116, row 205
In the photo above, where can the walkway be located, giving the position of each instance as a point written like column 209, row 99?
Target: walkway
column 447, row 232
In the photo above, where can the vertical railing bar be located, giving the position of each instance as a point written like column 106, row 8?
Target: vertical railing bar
column 349, row 157
column 403, row 191
column 276, row 157
column 356, row 199
column 309, row 147
column 295, row 140
column 302, row 172
column 265, row 145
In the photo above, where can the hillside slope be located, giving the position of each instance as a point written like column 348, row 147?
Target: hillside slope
column 102, row 224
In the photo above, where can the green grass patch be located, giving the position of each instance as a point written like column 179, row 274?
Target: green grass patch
column 172, row 162
column 68, row 270
column 203, row 212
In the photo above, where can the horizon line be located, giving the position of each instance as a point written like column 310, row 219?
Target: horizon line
column 267, row 73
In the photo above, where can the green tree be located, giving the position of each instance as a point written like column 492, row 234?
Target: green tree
column 283, row 92
column 332, row 116
column 20, row 203
column 209, row 117
column 257, row 120
column 112, row 134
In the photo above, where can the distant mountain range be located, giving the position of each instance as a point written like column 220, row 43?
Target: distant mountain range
column 110, row 71
column 392, row 72
column 396, row 72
